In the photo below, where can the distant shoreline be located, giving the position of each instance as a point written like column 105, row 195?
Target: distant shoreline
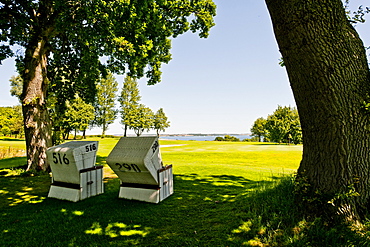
column 190, row 134
column 203, row 137
column 214, row 134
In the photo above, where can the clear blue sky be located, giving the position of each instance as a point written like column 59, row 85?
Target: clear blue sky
column 216, row 85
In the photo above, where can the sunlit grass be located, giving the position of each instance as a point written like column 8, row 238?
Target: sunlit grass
column 12, row 152
column 226, row 194
column 250, row 160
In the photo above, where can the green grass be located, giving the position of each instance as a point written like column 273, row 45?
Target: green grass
column 250, row 160
column 226, row 194
column 12, row 146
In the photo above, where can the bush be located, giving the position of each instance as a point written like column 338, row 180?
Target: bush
column 227, row 138
column 252, row 139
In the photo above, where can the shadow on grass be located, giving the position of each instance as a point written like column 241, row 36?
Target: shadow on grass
column 273, row 144
column 13, row 162
column 203, row 211
column 12, row 139
column 100, row 160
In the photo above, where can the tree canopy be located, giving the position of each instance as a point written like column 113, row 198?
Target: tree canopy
column 140, row 118
column 129, row 100
column 283, row 125
column 64, row 44
column 160, row 121
column 258, row 129
column 133, row 35
column 11, row 120
column 79, row 115
column 105, row 112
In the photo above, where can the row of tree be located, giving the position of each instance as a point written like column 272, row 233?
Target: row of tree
column 78, row 115
column 137, row 116
column 282, row 126
column 11, row 121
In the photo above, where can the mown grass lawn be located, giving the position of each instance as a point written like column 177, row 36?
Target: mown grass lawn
column 226, row 194
column 254, row 161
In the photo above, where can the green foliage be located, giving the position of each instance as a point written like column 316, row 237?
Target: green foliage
column 11, row 120
column 130, row 94
column 136, row 116
column 283, row 126
column 79, row 114
column 227, row 138
column 130, row 34
column 16, row 86
column 160, row 121
column 129, row 100
column 140, row 118
column 73, row 42
column 105, row 113
column 252, row 139
column 259, row 128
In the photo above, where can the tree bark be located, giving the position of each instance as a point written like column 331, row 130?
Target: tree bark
column 125, row 131
column 35, row 113
column 104, row 128
column 329, row 75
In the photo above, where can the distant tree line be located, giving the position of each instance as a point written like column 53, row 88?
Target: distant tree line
column 74, row 111
column 135, row 115
column 11, row 121
column 229, row 138
column 282, row 126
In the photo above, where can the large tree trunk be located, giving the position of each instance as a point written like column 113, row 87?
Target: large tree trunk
column 35, row 113
column 329, row 75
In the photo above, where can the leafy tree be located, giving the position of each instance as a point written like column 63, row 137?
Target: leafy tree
column 105, row 113
column 63, row 42
column 160, row 121
column 5, row 115
column 11, row 120
column 284, row 122
column 16, row 85
column 329, row 74
column 295, row 131
column 140, row 118
column 259, row 129
column 129, row 100
column 16, row 124
column 79, row 115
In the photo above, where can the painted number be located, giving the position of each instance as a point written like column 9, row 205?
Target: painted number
column 155, row 146
column 124, row 167
column 60, row 159
column 91, row 147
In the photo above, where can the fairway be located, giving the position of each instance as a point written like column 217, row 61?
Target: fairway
column 254, row 161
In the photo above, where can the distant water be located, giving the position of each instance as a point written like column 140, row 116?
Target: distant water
column 201, row 138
